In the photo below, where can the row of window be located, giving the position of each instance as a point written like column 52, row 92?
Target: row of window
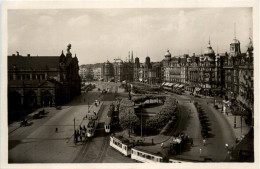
column 117, row 143
column 26, row 77
column 146, row 156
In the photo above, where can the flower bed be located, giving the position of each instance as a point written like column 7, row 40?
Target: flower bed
column 164, row 116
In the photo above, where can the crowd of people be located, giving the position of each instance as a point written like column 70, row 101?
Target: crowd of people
column 80, row 133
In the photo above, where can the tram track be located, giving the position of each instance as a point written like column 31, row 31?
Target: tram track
column 84, row 154
column 103, row 151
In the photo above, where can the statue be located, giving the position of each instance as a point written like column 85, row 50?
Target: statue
column 68, row 49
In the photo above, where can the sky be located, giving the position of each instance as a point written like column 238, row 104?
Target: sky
column 98, row 35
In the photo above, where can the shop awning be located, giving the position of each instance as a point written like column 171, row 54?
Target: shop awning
column 166, row 84
column 163, row 83
column 170, row 84
column 181, row 86
column 176, row 85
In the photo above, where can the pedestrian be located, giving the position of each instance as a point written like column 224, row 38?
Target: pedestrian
column 226, row 145
column 191, row 142
column 204, row 142
column 56, row 130
column 161, row 145
column 80, row 137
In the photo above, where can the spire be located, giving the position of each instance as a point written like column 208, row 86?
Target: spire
column 132, row 57
column 209, row 39
column 235, row 30
column 129, row 57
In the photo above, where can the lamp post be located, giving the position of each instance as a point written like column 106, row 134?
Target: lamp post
column 141, row 121
column 129, row 123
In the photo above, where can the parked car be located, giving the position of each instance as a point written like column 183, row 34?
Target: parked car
column 36, row 116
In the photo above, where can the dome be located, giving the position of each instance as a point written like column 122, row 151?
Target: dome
column 235, row 41
column 167, row 54
column 107, row 63
column 209, row 50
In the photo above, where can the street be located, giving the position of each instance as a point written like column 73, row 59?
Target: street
column 39, row 142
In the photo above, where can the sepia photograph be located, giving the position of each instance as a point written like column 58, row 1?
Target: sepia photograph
column 130, row 85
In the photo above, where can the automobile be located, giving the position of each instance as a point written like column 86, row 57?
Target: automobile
column 36, row 116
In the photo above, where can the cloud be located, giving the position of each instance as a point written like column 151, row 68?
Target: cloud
column 79, row 22
column 45, row 20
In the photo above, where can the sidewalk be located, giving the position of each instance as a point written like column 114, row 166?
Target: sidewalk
column 239, row 131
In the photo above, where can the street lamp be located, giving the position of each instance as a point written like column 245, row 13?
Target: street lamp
column 129, row 123
column 141, row 120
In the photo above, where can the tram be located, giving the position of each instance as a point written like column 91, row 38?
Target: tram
column 108, row 122
column 109, row 119
column 121, row 144
column 92, row 124
column 145, row 156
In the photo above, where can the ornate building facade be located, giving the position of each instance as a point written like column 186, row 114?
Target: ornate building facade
column 42, row 80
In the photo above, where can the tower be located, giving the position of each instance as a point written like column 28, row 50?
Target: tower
column 68, row 54
column 132, row 57
column 235, row 45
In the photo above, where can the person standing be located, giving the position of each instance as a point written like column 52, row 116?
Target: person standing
column 204, row 142
column 226, row 145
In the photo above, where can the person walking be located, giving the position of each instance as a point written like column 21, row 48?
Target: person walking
column 161, row 145
column 204, row 142
column 226, row 145
column 191, row 142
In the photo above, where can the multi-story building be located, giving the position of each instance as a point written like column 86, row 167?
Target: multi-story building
column 245, row 98
column 154, row 74
column 97, row 73
column 82, row 72
column 239, row 79
column 107, row 71
column 42, row 80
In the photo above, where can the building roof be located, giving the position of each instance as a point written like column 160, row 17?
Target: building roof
column 209, row 50
column 235, row 41
column 167, row 54
column 33, row 62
